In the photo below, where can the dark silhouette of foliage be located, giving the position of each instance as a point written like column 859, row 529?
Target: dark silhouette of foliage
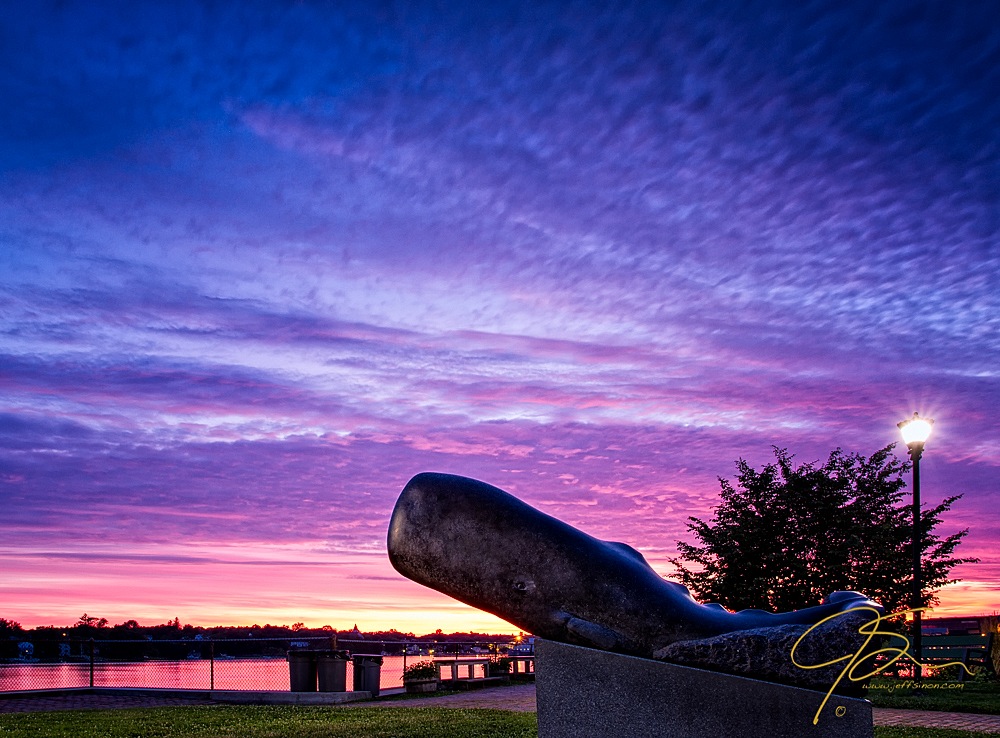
column 91, row 627
column 784, row 537
column 10, row 628
column 86, row 619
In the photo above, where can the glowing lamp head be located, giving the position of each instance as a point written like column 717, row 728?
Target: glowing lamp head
column 916, row 430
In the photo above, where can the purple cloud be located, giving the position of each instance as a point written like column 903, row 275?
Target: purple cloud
column 259, row 266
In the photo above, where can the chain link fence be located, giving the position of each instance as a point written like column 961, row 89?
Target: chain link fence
column 245, row 664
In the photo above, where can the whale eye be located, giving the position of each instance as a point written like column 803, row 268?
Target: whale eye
column 524, row 585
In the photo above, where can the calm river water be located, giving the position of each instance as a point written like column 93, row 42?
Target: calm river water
column 244, row 674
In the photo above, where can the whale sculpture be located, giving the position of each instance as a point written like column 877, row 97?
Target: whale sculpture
column 483, row 546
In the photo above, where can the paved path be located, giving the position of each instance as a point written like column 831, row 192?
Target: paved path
column 55, row 701
column 520, row 698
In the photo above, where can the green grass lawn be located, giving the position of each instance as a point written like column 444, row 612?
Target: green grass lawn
column 295, row 721
column 270, row 721
column 977, row 697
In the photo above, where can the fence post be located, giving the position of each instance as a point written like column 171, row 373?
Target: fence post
column 90, row 643
column 211, row 665
column 406, row 647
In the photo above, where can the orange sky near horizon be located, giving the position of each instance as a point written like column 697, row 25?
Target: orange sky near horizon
column 283, row 594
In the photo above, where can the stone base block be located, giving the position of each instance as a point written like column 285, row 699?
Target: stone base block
column 585, row 692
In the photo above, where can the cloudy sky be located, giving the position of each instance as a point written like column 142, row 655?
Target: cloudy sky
column 260, row 263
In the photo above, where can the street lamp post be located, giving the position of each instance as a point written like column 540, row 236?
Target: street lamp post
column 916, row 431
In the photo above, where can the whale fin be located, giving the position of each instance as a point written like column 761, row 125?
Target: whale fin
column 628, row 551
column 717, row 606
column 843, row 596
column 594, row 634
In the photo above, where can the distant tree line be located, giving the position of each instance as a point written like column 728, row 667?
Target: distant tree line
column 87, row 627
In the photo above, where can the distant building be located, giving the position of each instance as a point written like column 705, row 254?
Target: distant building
column 962, row 625
column 525, row 646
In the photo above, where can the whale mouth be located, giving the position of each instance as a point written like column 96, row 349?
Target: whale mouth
column 587, row 633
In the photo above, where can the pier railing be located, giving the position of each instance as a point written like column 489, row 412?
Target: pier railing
column 253, row 664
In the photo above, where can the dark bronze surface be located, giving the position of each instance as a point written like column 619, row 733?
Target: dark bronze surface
column 485, row 547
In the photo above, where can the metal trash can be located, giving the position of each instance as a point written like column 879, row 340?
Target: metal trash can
column 367, row 672
column 302, row 670
column 331, row 667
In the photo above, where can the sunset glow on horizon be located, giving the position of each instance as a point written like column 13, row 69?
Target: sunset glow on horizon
column 260, row 265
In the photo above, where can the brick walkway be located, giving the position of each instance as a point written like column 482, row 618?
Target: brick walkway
column 520, row 698
column 929, row 719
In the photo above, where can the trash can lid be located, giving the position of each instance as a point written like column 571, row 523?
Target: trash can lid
column 335, row 655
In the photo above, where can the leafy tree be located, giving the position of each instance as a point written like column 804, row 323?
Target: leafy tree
column 10, row 628
column 785, row 536
column 87, row 621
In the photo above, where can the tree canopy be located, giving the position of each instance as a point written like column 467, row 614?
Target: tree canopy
column 784, row 537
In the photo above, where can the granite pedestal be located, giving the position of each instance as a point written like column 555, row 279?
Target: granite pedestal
column 583, row 692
